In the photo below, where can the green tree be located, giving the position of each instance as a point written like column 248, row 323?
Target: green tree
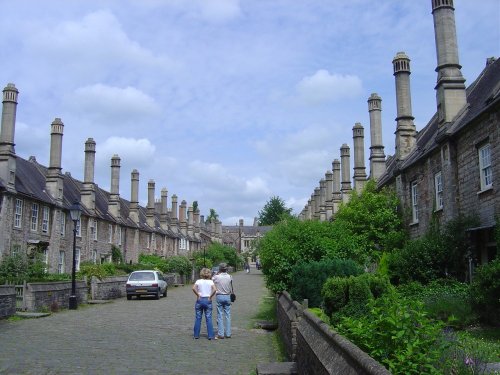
column 274, row 211
column 212, row 216
column 195, row 206
column 368, row 225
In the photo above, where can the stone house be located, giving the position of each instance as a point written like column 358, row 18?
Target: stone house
column 35, row 201
column 451, row 167
column 243, row 237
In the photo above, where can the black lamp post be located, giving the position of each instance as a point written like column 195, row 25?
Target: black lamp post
column 75, row 212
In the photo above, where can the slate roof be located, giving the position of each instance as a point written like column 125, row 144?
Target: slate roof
column 482, row 94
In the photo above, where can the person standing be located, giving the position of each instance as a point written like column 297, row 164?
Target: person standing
column 204, row 289
column 224, row 287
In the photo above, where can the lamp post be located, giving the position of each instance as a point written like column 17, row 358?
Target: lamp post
column 75, row 212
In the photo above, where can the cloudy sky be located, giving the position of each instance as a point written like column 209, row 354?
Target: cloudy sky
column 227, row 102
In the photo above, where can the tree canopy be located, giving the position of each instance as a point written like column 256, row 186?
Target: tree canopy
column 274, row 211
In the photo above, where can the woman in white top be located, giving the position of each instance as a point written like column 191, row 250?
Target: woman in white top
column 204, row 289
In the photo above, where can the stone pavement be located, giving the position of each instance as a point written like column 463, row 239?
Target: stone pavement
column 143, row 336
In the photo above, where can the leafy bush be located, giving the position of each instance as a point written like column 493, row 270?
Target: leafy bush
column 485, row 291
column 179, row 264
column 308, row 278
column 100, row 271
column 288, row 243
column 439, row 254
column 367, row 225
column 18, row 268
column 343, row 296
column 397, row 333
column 116, row 254
column 445, row 299
column 215, row 254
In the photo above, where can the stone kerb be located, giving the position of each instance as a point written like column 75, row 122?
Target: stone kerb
column 7, row 301
column 317, row 349
column 323, row 351
column 50, row 295
column 108, row 287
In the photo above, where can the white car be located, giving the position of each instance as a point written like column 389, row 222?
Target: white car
column 146, row 283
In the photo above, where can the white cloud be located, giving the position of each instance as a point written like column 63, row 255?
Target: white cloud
column 114, row 102
column 134, row 152
column 219, row 10
column 324, row 87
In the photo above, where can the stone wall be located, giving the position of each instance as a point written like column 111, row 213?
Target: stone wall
column 52, row 295
column 7, row 301
column 108, row 288
column 316, row 348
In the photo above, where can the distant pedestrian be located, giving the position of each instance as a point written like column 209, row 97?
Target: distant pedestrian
column 204, row 289
column 224, row 287
column 247, row 267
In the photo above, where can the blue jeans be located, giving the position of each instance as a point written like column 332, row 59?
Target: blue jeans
column 203, row 305
column 223, row 310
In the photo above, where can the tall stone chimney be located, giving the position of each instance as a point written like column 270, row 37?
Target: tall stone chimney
column 196, row 215
column 377, row 156
column 7, row 131
column 88, row 189
column 322, row 200
column 405, row 129
column 164, row 209
column 182, row 217
column 190, row 222
column 174, row 222
column 450, row 87
column 317, row 201
column 134, row 197
column 358, row 138
column 337, row 195
column 114, row 196
column 329, row 194
column 54, row 179
column 346, row 175
column 150, row 210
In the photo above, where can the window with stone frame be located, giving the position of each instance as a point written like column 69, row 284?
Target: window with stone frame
column 60, row 265
column 45, row 219
column 94, row 256
column 18, row 214
column 45, row 259
column 63, row 223
column 110, row 233
column 79, row 228
column 438, row 189
column 119, row 235
column 77, row 258
column 15, row 249
column 414, row 201
column 485, row 168
column 93, row 229
column 34, row 217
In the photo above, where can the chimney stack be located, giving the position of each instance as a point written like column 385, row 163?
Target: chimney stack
column 7, row 131
column 114, row 197
column 358, row 138
column 405, row 129
column 134, row 197
column 54, row 179
column 377, row 156
column 337, row 195
column 346, row 175
column 150, row 210
column 88, row 189
column 450, row 87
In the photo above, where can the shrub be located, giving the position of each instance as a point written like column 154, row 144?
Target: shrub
column 116, row 254
column 179, row 264
column 349, row 296
column 308, row 278
column 485, row 291
column 18, row 268
column 447, row 300
column 397, row 333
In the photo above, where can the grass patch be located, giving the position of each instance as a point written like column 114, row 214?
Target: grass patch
column 484, row 340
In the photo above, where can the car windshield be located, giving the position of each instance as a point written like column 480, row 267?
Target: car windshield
column 136, row 276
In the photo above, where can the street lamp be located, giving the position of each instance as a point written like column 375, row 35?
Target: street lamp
column 75, row 212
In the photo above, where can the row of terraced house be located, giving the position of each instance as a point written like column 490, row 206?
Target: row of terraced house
column 35, row 202
column 451, row 167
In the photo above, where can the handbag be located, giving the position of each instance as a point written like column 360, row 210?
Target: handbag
column 233, row 296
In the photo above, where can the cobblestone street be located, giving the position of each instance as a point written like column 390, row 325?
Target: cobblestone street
column 143, row 336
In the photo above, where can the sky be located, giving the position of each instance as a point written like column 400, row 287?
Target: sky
column 223, row 102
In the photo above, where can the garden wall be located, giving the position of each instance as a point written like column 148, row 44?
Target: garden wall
column 316, row 348
column 108, row 288
column 7, row 301
column 52, row 295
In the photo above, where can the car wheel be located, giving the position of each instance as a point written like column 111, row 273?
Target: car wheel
column 157, row 296
column 129, row 297
column 165, row 293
